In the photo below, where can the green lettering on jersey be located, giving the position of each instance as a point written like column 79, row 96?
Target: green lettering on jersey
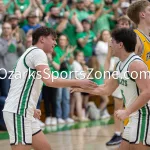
column 123, row 82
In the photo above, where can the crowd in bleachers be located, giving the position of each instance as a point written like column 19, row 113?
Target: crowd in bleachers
column 84, row 30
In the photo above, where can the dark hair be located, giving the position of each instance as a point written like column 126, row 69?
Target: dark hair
column 42, row 31
column 127, row 37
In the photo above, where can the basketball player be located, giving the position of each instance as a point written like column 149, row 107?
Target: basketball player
column 139, row 13
column 135, row 87
column 20, row 106
column 122, row 22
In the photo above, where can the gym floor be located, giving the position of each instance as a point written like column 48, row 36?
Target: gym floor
column 90, row 135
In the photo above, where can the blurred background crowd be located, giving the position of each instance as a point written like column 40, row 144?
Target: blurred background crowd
column 83, row 28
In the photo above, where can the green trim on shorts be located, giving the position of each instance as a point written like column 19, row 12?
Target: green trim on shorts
column 19, row 128
column 143, row 123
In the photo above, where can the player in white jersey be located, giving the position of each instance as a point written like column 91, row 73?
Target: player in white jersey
column 29, row 74
column 122, row 22
column 135, row 86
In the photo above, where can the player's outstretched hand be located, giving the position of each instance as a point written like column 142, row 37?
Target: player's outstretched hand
column 37, row 113
column 75, row 90
column 87, row 84
column 122, row 114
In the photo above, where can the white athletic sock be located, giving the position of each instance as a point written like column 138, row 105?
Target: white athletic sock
column 118, row 133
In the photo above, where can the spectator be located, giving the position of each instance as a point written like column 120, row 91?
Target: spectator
column 35, row 5
column 123, row 22
column 2, row 14
column 76, row 100
column 63, row 94
column 69, row 28
column 85, row 39
column 49, row 93
column 80, row 10
column 124, row 7
column 99, row 79
column 58, row 4
column 101, row 48
column 10, row 51
column 32, row 22
column 52, row 17
column 28, row 41
column 16, row 31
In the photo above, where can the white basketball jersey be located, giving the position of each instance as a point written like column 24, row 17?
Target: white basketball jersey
column 25, row 89
column 127, row 84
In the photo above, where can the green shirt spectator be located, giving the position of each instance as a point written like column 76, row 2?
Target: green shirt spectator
column 88, row 47
column 11, row 9
column 56, row 59
column 102, row 23
column 99, row 79
column 23, row 5
column 69, row 31
column 111, row 22
column 51, row 4
column 81, row 14
column 67, row 67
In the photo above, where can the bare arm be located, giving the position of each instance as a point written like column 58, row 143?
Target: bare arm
column 106, row 89
column 143, row 83
column 56, row 82
column 8, row 4
column 27, row 11
column 39, row 4
column 83, row 41
column 77, row 23
column 64, row 3
column 62, row 26
column 98, row 12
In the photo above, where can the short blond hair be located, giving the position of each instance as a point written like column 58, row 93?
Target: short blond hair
column 135, row 8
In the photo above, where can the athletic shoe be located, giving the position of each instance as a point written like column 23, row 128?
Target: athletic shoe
column 60, row 121
column 115, row 140
column 69, row 120
column 41, row 123
column 48, row 121
column 53, row 121
column 105, row 114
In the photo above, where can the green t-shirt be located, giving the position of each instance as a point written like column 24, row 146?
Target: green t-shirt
column 97, row 2
column 23, row 6
column 61, row 52
column 111, row 22
column 11, row 8
column 88, row 48
column 81, row 14
column 70, row 32
column 102, row 23
column 56, row 59
column 99, row 79
column 51, row 4
column 55, row 72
